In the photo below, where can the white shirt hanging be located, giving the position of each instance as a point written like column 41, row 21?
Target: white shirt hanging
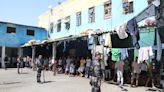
column 121, row 31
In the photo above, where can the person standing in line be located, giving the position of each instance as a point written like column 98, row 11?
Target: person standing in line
column 72, row 67
column 40, row 67
column 120, row 70
column 87, row 68
column 63, row 64
column 113, row 70
column 68, row 62
column 55, row 65
column 135, row 72
column 60, row 64
column 144, row 68
column 153, row 69
column 82, row 67
column 77, row 65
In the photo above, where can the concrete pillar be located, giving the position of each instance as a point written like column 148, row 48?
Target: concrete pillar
column 3, row 57
column 54, row 50
column 33, row 58
column 20, row 52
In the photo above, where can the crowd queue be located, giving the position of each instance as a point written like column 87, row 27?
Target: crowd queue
column 120, row 72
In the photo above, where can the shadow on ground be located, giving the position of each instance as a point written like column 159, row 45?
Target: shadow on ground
column 9, row 83
column 24, row 73
column 45, row 82
column 122, row 87
column 153, row 90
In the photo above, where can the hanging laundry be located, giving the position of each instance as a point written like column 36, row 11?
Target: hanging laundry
column 133, row 30
column 145, row 53
column 108, row 41
column 121, row 31
column 105, row 56
column 101, row 40
column 124, row 54
column 131, row 55
column 90, row 42
column 156, row 3
column 64, row 49
column 116, row 54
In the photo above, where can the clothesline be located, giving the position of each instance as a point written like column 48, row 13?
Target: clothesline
column 112, row 32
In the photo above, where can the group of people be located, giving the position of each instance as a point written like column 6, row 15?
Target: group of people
column 96, row 69
column 151, row 70
column 71, row 66
column 148, row 70
column 22, row 62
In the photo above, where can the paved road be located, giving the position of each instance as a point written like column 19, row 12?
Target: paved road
column 10, row 81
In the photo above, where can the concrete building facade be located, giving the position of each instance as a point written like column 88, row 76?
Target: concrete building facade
column 13, row 36
column 73, row 16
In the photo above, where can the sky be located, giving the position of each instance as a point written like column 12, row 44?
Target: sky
column 24, row 11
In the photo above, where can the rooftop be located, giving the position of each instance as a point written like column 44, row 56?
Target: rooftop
column 20, row 24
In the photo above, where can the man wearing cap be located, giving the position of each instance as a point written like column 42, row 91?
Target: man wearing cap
column 96, row 77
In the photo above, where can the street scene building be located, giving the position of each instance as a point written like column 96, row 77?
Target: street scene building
column 73, row 17
column 13, row 36
column 118, row 42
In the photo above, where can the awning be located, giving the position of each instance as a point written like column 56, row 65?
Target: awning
column 148, row 12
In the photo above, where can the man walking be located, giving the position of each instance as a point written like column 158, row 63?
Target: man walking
column 40, row 63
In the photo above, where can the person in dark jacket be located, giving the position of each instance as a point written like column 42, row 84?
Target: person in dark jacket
column 40, row 66
column 19, row 60
column 96, row 77
column 6, row 62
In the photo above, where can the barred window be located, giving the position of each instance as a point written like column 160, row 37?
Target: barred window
column 127, row 7
column 107, row 9
column 51, row 27
column 67, row 22
column 30, row 32
column 11, row 30
column 78, row 18
column 91, row 15
column 59, row 26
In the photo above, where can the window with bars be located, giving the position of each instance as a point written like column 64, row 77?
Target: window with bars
column 30, row 32
column 107, row 9
column 91, row 13
column 127, row 7
column 78, row 18
column 11, row 30
column 51, row 27
column 67, row 23
column 59, row 26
